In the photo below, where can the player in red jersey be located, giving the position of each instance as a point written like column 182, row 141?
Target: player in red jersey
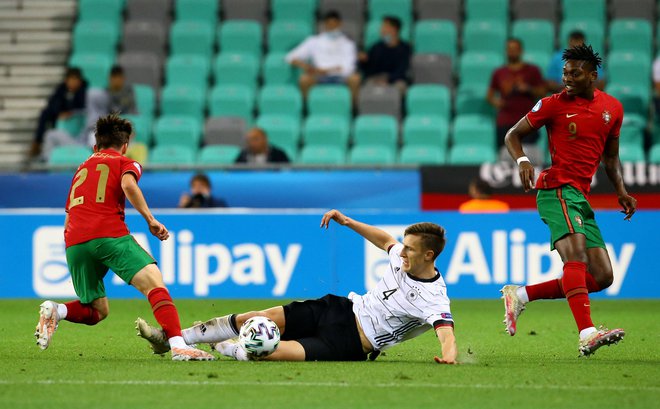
column 97, row 239
column 583, row 126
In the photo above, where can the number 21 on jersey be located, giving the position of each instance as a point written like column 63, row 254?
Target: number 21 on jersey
column 80, row 178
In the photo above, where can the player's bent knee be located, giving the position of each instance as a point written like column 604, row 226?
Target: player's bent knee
column 148, row 279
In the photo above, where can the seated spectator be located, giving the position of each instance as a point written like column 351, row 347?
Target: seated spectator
column 257, row 151
column 326, row 58
column 67, row 100
column 556, row 66
column 480, row 193
column 388, row 60
column 200, row 194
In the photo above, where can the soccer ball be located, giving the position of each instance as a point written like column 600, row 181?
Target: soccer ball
column 259, row 336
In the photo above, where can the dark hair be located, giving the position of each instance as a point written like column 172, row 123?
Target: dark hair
column 331, row 14
column 515, row 40
column 482, row 186
column 393, row 21
column 432, row 235
column 577, row 35
column 112, row 131
column 116, row 70
column 583, row 53
column 73, row 72
column 202, row 178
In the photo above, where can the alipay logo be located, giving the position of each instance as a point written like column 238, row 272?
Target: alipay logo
column 50, row 274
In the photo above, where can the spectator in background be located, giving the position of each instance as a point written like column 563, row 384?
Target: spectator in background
column 514, row 89
column 556, row 66
column 326, row 58
column 656, row 87
column 258, row 151
column 387, row 61
column 480, row 193
column 200, row 194
column 68, row 99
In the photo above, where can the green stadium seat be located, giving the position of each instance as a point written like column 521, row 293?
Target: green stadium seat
column 69, row 155
column 283, row 131
column 372, row 155
column 326, row 130
column 182, row 100
column 191, row 37
column 241, row 37
column 95, row 67
column 329, row 100
column 372, row 33
column 654, row 154
column 197, row 10
column 425, row 130
column 635, row 98
column 474, row 130
column 635, row 120
column 100, row 10
column 484, row 36
column 633, row 69
column 292, row 10
column 399, row 8
column 285, row 35
column 322, row 155
column 541, row 59
column 471, row 155
column 435, row 37
column 427, row 99
column 631, row 135
column 218, row 155
column 95, row 37
column 585, row 9
column 145, row 99
column 280, row 100
column 236, row 69
column 476, row 69
column 423, row 155
column 141, row 128
column 487, row 10
column 178, row 131
column 276, row 71
column 536, row 35
column 72, row 125
column 472, row 100
column 188, row 70
column 594, row 31
column 631, row 152
column 172, row 156
column 630, row 35
column 380, row 130
column 232, row 100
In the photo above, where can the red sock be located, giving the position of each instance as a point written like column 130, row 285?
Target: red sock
column 575, row 287
column 552, row 289
column 81, row 313
column 592, row 285
column 165, row 311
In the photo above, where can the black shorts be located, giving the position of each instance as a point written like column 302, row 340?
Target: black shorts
column 326, row 329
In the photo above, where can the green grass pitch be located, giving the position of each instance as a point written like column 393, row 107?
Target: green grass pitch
column 107, row 366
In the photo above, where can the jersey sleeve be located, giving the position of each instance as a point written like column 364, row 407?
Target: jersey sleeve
column 440, row 316
column 542, row 113
column 131, row 166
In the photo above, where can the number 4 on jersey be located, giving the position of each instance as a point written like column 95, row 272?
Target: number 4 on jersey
column 387, row 294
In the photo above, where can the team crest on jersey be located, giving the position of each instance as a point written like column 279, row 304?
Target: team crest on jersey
column 607, row 116
column 537, row 106
column 578, row 220
column 412, row 294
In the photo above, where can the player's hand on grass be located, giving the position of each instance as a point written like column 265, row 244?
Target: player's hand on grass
column 629, row 205
column 335, row 215
column 526, row 171
column 159, row 230
column 445, row 361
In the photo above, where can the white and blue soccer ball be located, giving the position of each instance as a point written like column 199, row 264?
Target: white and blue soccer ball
column 259, row 336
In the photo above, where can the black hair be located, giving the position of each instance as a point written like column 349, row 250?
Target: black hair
column 577, row 35
column 73, row 72
column 583, row 53
column 116, row 70
column 202, row 178
column 112, row 131
column 332, row 14
column 393, row 21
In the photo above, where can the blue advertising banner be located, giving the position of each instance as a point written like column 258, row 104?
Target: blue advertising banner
column 280, row 254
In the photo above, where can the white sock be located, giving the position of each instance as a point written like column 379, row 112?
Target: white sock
column 214, row 330
column 521, row 292
column 232, row 349
column 587, row 331
column 62, row 311
column 177, row 342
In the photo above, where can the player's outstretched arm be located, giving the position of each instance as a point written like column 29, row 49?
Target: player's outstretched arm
column 513, row 142
column 448, row 345
column 613, row 169
column 378, row 237
column 134, row 195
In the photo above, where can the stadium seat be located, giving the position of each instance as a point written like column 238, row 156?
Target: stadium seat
column 322, row 155
column 536, row 9
column 375, row 130
column 631, row 135
column 472, row 100
column 285, row 35
column 177, row 131
column 280, row 100
column 276, row 71
column 172, row 156
column 142, row 68
column 372, row 155
column 188, row 70
column 487, row 10
column 624, row 68
column 225, row 131
column 399, row 8
column 145, row 99
column 654, row 154
column 236, row 69
column 197, row 10
column 292, row 10
column 476, row 69
column 372, row 33
column 471, row 155
column 630, row 152
column 385, row 100
column 432, row 69
column 233, row 101
column 329, row 100
column 100, row 10
column 540, row 59
column 426, row 99
column 246, row 10
column 635, row 98
column 584, row 9
column 141, row 128
column 191, row 38
column 149, row 10
column 630, row 36
column 95, row 37
column 644, row 9
column 439, row 10
column 423, row 155
column 72, row 125
column 283, row 131
column 183, row 100
column 484, row 36
column 218, row 155
column 536, row 35
column 435, row 37
column 241, row 37
column 350, row 10
column 95, row 67
column 144, row 36
column 425, row 130
column 69, row 155
column 593, row 30
column 326, row 130
column 474, row 130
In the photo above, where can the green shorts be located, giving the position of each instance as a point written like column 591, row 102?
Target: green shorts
column 89, row 262
column 566, row 211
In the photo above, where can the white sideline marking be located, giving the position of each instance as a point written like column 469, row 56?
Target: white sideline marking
column 402, row 384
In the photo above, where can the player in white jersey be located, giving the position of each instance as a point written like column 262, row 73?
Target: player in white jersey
column 410, row 299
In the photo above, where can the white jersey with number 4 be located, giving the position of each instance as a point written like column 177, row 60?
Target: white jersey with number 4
column 401, row 306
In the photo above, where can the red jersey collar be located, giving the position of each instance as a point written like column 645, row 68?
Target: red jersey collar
column 580, row 100
column 110, row 151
